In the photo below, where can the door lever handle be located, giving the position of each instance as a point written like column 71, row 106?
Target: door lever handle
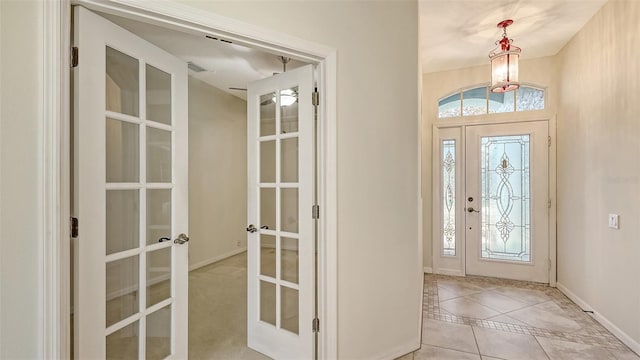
column 251, row 228
column 470, row 209
column 264, row 227
column 182, row 238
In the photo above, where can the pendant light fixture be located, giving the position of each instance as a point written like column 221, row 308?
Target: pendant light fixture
column 504, row 62
column 288, row 97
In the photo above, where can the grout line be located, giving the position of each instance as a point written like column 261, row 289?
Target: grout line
column 476, row 341
column 446, row 348
column 542, row 347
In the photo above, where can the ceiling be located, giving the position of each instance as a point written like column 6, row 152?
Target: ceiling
column 454, row 34
column 227, row 65
column 460, row 33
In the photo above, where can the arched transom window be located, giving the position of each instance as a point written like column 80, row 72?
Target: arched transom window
column 481, row 101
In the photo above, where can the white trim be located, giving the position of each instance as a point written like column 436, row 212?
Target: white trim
column 428, row 270
column 553, row 220
column 186, row 18
column 450, row 272
column 215, row 259
column 55, row 246
column 616, row 331
column 402, row 350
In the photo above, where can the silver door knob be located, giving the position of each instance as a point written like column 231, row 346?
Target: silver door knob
column 182, row 238
column 470, row 209
column 251, row 228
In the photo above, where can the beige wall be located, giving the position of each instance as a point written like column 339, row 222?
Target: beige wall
column 541, row 72
column 598, row 169
column 379, row 262
column 217, row 173
column 21, row 184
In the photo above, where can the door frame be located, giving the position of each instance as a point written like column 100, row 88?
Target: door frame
column 56, row 149
column 461, row 123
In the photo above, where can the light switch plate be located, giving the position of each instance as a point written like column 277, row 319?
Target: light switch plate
column 614, row 221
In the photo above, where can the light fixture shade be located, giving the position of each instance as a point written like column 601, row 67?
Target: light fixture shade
column 504, row 62
column 504, row 71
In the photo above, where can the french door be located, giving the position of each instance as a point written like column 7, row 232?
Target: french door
column 281, row 238
column 493, row 200
column 130, row 195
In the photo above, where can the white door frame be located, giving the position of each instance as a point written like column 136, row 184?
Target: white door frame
column 461, row 123
column 56, row 160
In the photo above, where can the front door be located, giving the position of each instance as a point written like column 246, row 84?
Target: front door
column 506, row 201
column 130, row 195
column 281, row 237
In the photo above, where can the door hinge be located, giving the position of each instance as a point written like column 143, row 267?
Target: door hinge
column 315, row 98
column 315, row 212
column 74, row 227
column 549, row 262
column 549, row 139
column 315, row 325
column 74, row 56
column 549, row 204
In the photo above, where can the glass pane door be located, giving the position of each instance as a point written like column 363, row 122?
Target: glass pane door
column 130, row 195
column 281, row 169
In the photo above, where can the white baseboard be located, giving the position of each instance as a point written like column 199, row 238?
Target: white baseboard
column 450, row 272
column 401, row 351
column 428, row 270
column 626, row 339
column 216, row 258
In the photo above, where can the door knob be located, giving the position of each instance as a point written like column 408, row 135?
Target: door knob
column 251, row 228
column 182, row 238
column 470, row 209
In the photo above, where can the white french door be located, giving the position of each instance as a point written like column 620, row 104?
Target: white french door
column 493, row 201
column 281, row 238
column 130, row 195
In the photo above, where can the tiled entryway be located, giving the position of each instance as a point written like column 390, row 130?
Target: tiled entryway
column 484, row 318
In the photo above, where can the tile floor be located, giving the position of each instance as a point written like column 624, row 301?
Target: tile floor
column 483, row 318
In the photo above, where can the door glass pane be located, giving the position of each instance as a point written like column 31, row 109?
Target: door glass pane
column 449, row 106
column 289, row 210
column 158, row 276
column 528, row 98
column 122, row 225
column 158, row 95
column 474, row 101
column 500, row 102
column 449, row 197
column 268, row 255
column 289, row 259
column 123, row 152
column 122, row 289
column 158, row 215
column 506, row 201
column 158, row 155
column 268, row 207
column 268, row 161
column 289, row 309
column 289, row 110
column 159, row 334
column 122, row 89
column 268, row 302
column 289, row 160
column 267, row 115
column 123, row 344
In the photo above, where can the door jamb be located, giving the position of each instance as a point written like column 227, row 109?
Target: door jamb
column 553, row 255
column 56, row 150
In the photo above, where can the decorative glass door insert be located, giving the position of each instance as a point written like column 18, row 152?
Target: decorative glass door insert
column 506, row 200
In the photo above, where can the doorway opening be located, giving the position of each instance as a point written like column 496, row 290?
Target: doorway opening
column 492, row 200
column 217, row 194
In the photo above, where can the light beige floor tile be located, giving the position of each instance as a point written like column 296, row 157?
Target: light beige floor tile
column 507, row 319
column 406, row 357
column 529, row 296
column 466, row 307
column 547, row 316
column 448, row 335
column 485, row 357
column 458, row 287
column 437, row 353
column 444, row 295
column 508, row 345
column 497, row 301
column 624, row 354
column 561, row 350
